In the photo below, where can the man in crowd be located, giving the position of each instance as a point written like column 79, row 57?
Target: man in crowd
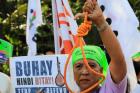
column 5, row 83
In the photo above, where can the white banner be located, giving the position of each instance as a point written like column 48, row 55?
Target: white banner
column 65, row 27
column 38, row 74
column 34, row 19
column 125, row 22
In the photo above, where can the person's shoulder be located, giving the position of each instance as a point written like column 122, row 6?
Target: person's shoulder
column 5, row 83
column 4, row 77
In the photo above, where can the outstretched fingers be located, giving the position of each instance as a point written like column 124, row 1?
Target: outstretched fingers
column 79, row 15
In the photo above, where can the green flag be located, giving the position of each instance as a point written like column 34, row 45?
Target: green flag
column 5, row 48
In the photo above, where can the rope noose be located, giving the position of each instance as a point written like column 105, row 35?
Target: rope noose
column 83, row 30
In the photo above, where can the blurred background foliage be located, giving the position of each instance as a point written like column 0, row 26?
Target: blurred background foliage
column 13, row 24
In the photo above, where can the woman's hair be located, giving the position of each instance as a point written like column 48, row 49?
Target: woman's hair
column 128, row 86
column 1, row 70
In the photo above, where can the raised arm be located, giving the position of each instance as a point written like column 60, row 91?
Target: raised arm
column 117, row 65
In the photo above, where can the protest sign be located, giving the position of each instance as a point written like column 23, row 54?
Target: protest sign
column 38, row 74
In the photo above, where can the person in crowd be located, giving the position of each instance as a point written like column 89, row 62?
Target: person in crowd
column 136, row 62
column 5, row 82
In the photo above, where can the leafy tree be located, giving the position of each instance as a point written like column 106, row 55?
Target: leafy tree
column 13, row 23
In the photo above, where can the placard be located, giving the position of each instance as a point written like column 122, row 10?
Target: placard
column 38, row 74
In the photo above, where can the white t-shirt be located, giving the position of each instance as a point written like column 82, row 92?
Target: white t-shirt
column 5, row 83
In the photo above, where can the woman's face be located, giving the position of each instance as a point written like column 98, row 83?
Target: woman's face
column 83, row 77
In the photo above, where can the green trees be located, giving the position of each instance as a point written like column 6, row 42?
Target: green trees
column 13, row 23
